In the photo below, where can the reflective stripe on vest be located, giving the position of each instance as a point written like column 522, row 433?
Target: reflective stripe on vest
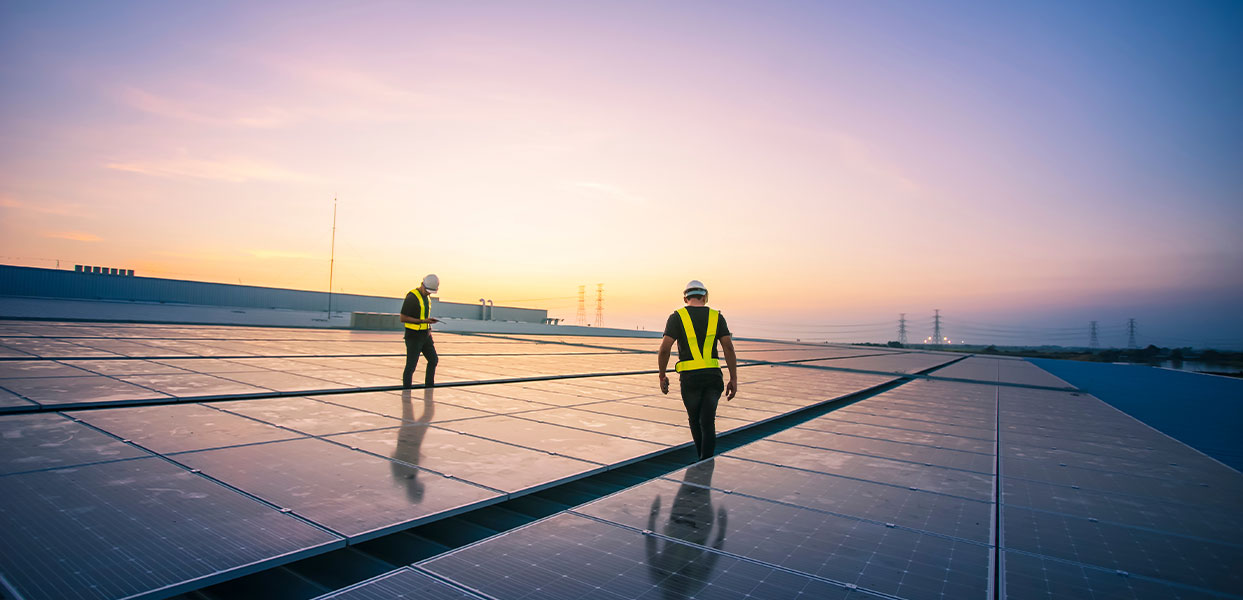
column 697, row 354
column 423, row 312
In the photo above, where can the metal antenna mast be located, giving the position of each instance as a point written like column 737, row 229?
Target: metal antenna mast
column 1093, row 340
column 581, row 318
column 599, row 304
column 333, row 254
column 1130, row 328
column 936, row 327
column 902, row 329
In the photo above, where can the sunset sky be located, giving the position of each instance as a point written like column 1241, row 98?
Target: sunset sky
column 821, row 166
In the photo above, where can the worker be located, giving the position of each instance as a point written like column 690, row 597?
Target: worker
column 416, row 315
column 697, row 329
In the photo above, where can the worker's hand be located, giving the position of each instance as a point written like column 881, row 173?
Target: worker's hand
column 664, row 384
column 433, row 320
column 731, row 388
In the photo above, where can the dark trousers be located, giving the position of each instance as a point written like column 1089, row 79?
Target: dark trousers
column 701, row 390
column 419, row 342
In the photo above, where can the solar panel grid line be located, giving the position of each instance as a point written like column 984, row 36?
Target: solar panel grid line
column 860, row 419
column 1162, row 435
column 1218, row 524
column 106, row 560
column 1135, row 492
column 532, row 417
column 619, row 572
column 413, row 465
column 1039, row 576
column 670, row 539
column 855, row 478
column 1113, row 465
column 1198, row 591
column 405, row 582
column 846, row 543
column 352, row 524
column 912, row 461
column 66, row 431
column 888, row 524
column 902, row 416
column 890, row 439
column 1120, row 546
column 1232, row 542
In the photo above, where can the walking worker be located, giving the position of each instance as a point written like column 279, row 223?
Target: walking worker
column 698, row 366
column 416, row 315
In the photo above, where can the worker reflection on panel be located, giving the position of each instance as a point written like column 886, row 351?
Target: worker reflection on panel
column 410, row 440
column 681, row 569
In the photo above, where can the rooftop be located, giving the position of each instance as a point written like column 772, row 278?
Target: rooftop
column 154, row 461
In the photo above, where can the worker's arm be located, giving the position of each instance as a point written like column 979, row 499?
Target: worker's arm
column 409, row 319
column 662, row 363
column 731, row 361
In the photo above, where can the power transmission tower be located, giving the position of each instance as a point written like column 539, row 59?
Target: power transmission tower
column 581, row 318
column 1130, row 331
column 1093, row 340
column 599, row 305
column 936, row 327
column 902, row 329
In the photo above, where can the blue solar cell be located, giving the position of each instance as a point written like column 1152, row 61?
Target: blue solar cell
column 44, row 441
column 570, row 557
column 135, row 527
column 870, row 555
column 353, row 493
column 404, row 583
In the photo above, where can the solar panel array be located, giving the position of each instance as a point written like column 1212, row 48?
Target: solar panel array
column 146, row 461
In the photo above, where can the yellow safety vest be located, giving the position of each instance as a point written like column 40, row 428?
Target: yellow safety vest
column 697, row 354
column 424, row 312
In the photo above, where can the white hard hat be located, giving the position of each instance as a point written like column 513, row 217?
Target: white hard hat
column 431, row 283
column 695, row 287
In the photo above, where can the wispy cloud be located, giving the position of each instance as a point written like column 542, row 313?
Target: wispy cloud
column 234, row 170
column 48, row 209
column 212, row 107
column 76, row 236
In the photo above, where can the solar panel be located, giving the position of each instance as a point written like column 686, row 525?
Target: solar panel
column 1028, row 576
column 870, row 555
column 877, row 502
column 10, row 402
column 39, row 442
column 1196, row 562
column 355, row 494
column 892, row 493
column 182, row 427
column 76, row 391
column 469, row 458
column 964, row 484
column 414, row 405
column 571, row 557
column 134, row 528
column 400, row 584
column 565, row 441
column 317, row 417
column 955, row 459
